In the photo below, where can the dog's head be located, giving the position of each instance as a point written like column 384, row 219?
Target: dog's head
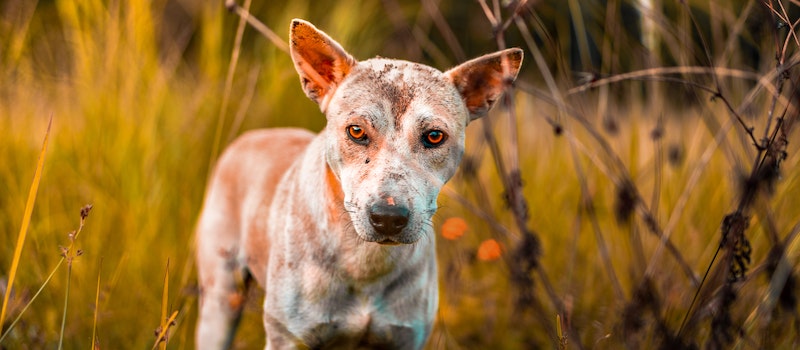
column 395, row 130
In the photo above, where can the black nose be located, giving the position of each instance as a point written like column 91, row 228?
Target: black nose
column 388, row 220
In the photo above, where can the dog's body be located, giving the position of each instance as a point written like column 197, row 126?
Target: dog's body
column 336, row 227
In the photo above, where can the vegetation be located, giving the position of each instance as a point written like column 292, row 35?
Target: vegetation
column 638, row 187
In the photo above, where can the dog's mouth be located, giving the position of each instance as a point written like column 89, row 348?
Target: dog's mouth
column 388, row 242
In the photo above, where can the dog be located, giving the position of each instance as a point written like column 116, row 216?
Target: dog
column 336, row 227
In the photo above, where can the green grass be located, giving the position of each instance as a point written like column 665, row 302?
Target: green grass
column 136, row 89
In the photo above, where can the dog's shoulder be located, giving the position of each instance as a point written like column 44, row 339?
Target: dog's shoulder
column 260, row 156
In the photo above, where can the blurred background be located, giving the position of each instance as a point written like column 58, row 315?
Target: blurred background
column 637, row 189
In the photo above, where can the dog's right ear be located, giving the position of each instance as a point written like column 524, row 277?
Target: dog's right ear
column 320, row 61
column 481, row 81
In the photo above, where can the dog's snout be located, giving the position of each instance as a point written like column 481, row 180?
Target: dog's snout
column 388, row 220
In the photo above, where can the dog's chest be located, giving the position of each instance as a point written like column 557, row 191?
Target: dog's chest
column 326, row 312
column 364, row 326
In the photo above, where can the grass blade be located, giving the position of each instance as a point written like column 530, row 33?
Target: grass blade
column 163, row 334
column 164, row 324
column 66, row 303
column 26, row 219
column 33, row 298
column 96, row 306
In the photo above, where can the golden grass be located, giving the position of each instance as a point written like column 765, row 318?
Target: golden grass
column 26, row 220
column 93, row 345
column 162, row 333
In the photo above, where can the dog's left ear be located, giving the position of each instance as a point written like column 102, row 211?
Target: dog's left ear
column 481, row 81
column 320, row 61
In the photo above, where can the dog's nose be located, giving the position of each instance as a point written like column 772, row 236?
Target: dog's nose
column 388, row 220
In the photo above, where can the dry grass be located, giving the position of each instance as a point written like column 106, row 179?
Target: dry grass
column 623, row 195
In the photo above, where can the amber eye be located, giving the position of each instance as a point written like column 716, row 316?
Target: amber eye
column 357, row 134
column 433, row 138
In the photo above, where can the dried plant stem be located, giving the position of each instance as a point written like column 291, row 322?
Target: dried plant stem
column 69, row 254
column 697, row 293
column 541, row 63
column 245, row 103
column 164, row 305
column 268, row 33
column 735, row 31
column 162, row 335
column 66, row 302
column 661, row 71
column 511, row 178
column 33, row 298
column 94, row 343
column 441, row 24
column 652, row 225
column 765, row 82
column 579, row 27
column 784, row 18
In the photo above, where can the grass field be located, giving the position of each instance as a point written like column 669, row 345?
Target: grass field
column 635, row 141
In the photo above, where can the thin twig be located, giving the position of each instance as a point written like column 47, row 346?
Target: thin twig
column 163, row 333
column 33, row 298
column 245, row 103
column 654, row 72
column 257, row 25
column 441, row 24
column 66, row 300
column 697, row 293
column 734, row 33
column 94, row 344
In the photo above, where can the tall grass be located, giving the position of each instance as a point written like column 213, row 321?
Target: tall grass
column 93, row 342
column 23, row 231
column 606, row 178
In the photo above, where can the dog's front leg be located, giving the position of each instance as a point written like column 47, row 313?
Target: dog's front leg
column 223, row 281
column 221, row 304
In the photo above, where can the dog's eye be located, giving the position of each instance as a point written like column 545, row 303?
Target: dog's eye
column 433, row 138
column 357, row 134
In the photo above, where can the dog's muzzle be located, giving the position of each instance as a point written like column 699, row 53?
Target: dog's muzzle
column 388, row 220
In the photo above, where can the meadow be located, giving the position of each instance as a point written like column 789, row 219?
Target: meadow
column 637, row 187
